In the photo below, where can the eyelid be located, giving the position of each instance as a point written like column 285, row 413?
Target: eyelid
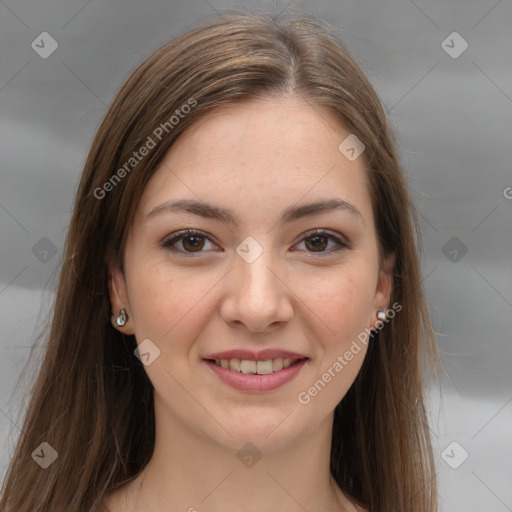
column 340, row 240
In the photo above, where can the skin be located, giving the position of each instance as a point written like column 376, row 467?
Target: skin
column 256, row 158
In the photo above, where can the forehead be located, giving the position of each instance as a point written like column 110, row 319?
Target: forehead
column 260, row 155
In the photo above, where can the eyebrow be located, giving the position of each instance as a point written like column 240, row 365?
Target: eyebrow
column 228, row 217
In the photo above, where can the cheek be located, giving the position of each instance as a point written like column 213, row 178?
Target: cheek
column 167, row 304
column 344, row 305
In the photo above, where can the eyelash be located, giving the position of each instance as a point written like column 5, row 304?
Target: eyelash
column 169, row 243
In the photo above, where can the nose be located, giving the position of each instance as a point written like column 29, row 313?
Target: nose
column 257, row 296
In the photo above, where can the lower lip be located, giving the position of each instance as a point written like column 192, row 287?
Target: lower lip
column 253, row 381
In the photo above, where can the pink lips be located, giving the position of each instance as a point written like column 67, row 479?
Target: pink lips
column 255, row 382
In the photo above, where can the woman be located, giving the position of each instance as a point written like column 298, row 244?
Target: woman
column 240, row 321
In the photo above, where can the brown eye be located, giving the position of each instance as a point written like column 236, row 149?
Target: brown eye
column 190, row 241
column 318, row 241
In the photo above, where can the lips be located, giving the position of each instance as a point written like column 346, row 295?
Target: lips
column 256, row 371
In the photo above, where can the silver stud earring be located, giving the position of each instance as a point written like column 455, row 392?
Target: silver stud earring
column 381, row 315
column 121, row 319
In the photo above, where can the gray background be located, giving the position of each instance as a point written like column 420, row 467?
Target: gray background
column 454, row 120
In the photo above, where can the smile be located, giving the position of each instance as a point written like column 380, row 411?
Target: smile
column 255, row 376
column 255, row 367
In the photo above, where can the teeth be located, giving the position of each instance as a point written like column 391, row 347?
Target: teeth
column 277, row 364
column 264, row 367
column 255, row 367
column 234, row 364
column 247, row 366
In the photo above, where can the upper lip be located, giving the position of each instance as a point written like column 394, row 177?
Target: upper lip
column 262, row 355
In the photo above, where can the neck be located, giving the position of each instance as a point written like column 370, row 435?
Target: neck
column 193, row 473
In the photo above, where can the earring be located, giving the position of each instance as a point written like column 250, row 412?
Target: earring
column 381, row 315
column 121, row 319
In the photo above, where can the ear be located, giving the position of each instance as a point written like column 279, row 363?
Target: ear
column 384, row 286
column 119, row 299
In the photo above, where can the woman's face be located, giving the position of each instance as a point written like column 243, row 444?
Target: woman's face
column 252, row 280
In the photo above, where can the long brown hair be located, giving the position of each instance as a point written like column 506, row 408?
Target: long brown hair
column 92, row 401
